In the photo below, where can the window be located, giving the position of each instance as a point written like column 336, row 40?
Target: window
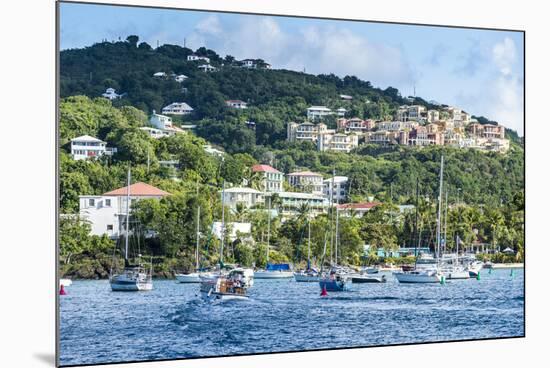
column 109, row 227
column 91, row 202
column 108, row 202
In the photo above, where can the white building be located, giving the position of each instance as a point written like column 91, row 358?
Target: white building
column 236, row 104
column 194, row 57
column 160, row 75
column 154, row 132
column 207, row 68
column 338, row 142
column 161, row 122
column 177, row 108
column 306, row 181
column 340, row 190
column 85, row 147
column 317, row 112
column 341, row 112
column 248, row 197
column 180, row 78
column 355, row 209
column 306, row 131
column 106, row 213
column 213, row 151
column 111, row 94
column 272, row 179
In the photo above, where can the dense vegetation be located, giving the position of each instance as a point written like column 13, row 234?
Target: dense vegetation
column 485, row 190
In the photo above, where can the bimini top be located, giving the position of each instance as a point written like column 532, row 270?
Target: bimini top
column 278, row 267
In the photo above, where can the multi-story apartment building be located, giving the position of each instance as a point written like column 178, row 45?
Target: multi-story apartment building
column 432, row 116
column 412, row 112
column 355, row 125
column 487, row 130
column 292, row 201
column 337, row 187
column 272, row 179
column 306, row 181
column 306, row 131
column 338, row 142
column 248, row 197
column 393, row 126
column 425, row 136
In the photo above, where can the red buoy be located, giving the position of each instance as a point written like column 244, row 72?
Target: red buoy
column 62, row 291
column 324, row 291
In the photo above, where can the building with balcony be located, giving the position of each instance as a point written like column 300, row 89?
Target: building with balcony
column 306, row 181
column 111, row 94
column 336, row 188
column 426, row 135
column 317, row 112
column 177, row 108
column 306, row 131
column 272, row 179
column 291, row 202
column 248, row 197
column 355, row 125
column 194, row 57
column 106, row 213
column 487, row 130
column 338, row 142
column 355, row 209
column 236, row 104
column 86, row 147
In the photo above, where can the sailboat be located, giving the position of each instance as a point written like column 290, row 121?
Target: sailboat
column 223, row 286
column 454, row 270
column 430, row 272
column 194, row 277
column 134, row 277
column 336, row 279
column 273, row 270
column 310, row 274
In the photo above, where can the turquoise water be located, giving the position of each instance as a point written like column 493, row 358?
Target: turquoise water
column 100, row 326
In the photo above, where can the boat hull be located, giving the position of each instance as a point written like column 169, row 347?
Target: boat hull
column 215, row 296
column 417, row 278
column 368, row 279
column 190, row 278
column 65, row 282
column 334, row 285
column 131, row 286
column 273, row 275
column 457, row 275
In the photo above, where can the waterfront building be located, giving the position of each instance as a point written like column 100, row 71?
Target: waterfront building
column 106, row 213
column 85, row 147
column 272, row 179
column 306, row 181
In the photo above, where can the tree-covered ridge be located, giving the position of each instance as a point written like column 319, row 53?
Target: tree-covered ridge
column 275, row 97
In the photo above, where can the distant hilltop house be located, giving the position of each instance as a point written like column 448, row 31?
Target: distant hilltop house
column 254, row 64
column 272, row 179
column 194, row 57
column 207, row 68
column 213, row 151
column 346, row 97
column 236, row 104
column 356, row 209
column 180, row 78
column 106, row 213
column 177, row 108
column 111, row 94
column 154, row 132
column 317, row 112
column 85, row 147
column 160, row 75
column 164, row 124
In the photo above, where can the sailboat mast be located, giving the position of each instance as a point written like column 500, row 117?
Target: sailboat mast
column 268, row 227
column 331, row 219
column 198, row 229
column 127, row 216
column 438, row 232
column 223, row 222
column 336, row 238
column 416, row 226
column 445, row 219
column 308, row 240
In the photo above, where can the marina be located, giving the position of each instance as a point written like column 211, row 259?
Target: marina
column 173, row 321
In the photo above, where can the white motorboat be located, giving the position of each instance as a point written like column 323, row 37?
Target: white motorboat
column 65, row 282
column 474, row 268
column 274, row 274
column 223, row 288
column 134, row 277
column 366, row 278
column 188, row 278
column 419, row 276
column 455, row 273
column 244, row 274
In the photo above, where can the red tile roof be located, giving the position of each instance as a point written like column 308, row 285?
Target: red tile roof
column 358, row 206
column 264, row 168
column 138, row 189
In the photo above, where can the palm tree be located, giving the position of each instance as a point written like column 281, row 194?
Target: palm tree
column 495, row 222
column 241, row 212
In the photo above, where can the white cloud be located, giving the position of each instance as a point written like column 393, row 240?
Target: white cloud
column 504, row 55
column 319, row 49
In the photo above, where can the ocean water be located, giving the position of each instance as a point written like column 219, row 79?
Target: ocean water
column 100, row 326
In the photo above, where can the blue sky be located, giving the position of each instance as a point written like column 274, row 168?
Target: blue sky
column 479, row 71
